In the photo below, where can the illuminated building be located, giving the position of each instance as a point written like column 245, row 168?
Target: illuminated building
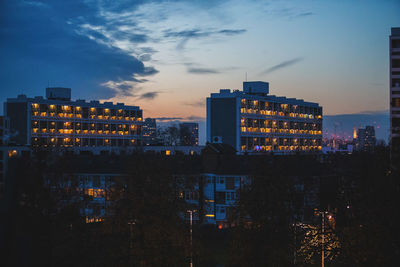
column 59, row 122
column 149, row 132
column 253, row 121
column 394, row 44
column 366, row 139
column 189, row 134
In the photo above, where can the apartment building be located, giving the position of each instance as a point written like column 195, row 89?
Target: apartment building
column 56, row 121
column 394, row 43
column 252, row 121
column 189, row 133
column 149, row 132
column 366, row 139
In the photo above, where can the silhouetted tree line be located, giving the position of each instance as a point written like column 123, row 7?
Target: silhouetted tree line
column 145, row 227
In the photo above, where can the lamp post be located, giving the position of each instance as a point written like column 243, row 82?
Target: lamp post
column 191, row 236
column 131, row 224
column 323, row 239
column 323, row 214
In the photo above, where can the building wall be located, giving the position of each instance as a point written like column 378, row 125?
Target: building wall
column 18, row 115
column 223, row 123
column 394, row 44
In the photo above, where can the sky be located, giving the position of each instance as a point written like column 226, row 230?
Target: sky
column 168, row 56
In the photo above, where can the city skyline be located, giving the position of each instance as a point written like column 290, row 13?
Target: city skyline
column 153, row 55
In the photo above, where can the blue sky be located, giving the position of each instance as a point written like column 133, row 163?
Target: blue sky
column 167, row 56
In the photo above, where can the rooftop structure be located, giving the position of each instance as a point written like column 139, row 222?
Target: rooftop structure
column 253, row 121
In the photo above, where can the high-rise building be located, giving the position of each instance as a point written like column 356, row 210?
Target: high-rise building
column 189, row 134
column 149, row 132
column 254, row 121
column 4, row 130
column 366, row 139
column 395, row 93
column 59, row 122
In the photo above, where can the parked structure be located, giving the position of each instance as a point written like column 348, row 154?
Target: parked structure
column 59, row 122
column 254, row 121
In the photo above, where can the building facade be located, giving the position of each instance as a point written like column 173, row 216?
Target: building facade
column 189, row 133
column 149, row 132
column 4, row 130
column 394, row 44
column 254, row 121
column 366, row 139
column 56, row 121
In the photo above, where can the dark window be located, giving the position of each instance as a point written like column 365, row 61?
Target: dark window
column 396, row 122
column 395, row 63
column 396, row 43
column 220, row 197
column 230, row 183
column 395, row 82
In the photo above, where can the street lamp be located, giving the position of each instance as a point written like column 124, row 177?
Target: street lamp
column 323, row 214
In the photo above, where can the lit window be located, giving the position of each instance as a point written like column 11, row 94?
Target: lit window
column 168, row 152
column 12, row 153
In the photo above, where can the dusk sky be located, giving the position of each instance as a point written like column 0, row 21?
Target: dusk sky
column 168, row 56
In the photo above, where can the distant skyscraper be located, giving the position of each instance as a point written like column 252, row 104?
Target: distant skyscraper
column 149, row 132
column 395, row 94
column 252, row 121
column 189, row 134
column 366, row 139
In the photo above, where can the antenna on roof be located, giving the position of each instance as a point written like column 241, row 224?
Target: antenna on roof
column 246, row 76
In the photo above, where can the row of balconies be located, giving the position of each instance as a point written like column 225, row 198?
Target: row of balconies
column 279, row 113
column 78, row 109
column 71, row 142
column 80, row 116
column 89, row 132
column 282, row 131
column 262, row 105
column 280, row 148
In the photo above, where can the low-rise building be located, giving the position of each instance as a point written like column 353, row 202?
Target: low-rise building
column 252, row 121
column 56, row 121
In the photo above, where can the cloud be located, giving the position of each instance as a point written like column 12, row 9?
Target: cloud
column 232, row 32
column 305, row 14
column 282, row 65
column 34, row 3
column 66, row 54
column 195, row 118
column 199, row 103
column 145, row 57
column 186, row 35
column 168, row 118
column 202, row 70
column 149, row 95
